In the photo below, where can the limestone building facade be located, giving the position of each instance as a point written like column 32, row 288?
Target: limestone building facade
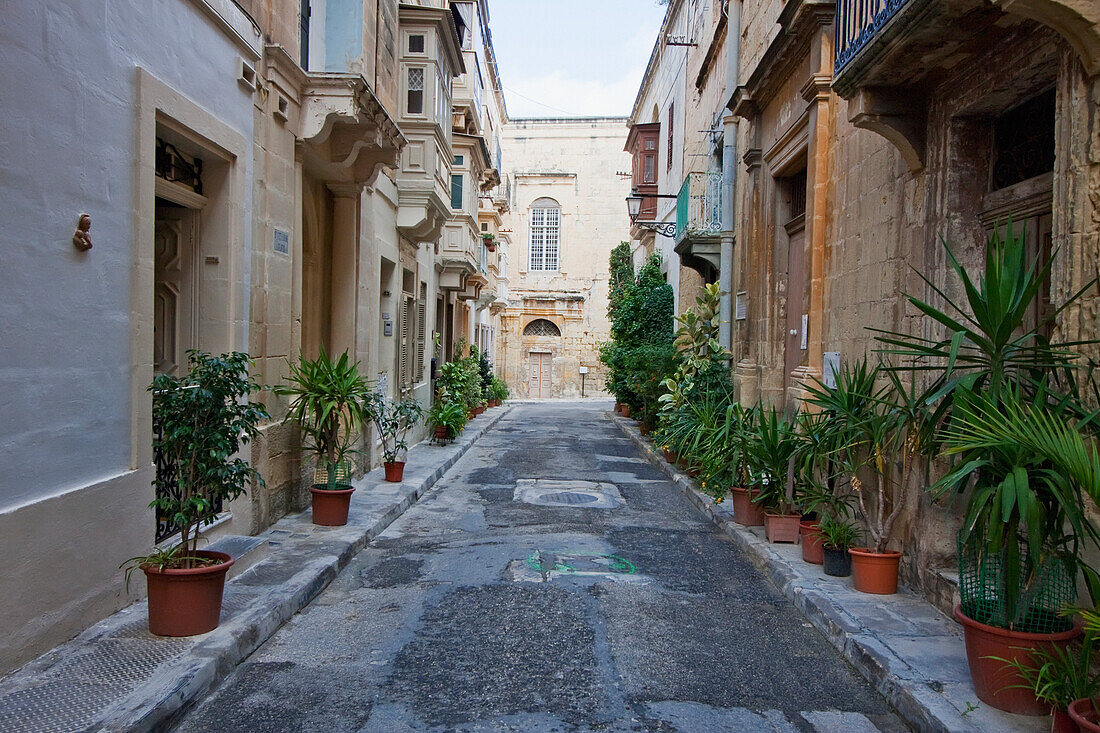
column 852, row 161
column 567, row 212
column 267, row 176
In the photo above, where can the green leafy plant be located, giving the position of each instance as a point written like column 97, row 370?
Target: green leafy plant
column 702, row 366
column 394, row 419
column 867, row 428
column 485, row 372
column 449, row 415
column 839, row 534
column 1060, row 675
column 774, row 448
column 329, row 401
column 498, row 390
column 204, row 418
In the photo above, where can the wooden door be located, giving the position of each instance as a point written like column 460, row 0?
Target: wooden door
column 538, row 374
column 175, row 286
column 796, row 338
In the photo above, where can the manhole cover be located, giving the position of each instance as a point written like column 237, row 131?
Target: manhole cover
column 570, row 497
column 557, row 492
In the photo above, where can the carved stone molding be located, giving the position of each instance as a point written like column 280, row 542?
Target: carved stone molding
column 1077, row 20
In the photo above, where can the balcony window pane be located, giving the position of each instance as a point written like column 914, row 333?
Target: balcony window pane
column 416, row 91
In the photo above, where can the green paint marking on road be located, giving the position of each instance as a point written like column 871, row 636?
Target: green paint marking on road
column 578, row 563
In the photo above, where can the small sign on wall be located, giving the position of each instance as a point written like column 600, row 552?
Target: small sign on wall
column 831, row 368
column 741, row 311
column 280, row 241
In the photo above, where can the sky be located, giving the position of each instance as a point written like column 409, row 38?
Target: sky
column 568, row 58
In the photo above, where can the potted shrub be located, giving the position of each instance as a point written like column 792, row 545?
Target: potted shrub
column 870, row 424
column 490, row 241
column 498, row 392
column 204, row 418
column 736, row 435
column 394, row 420
column 1064, row 679
column 327, row 401
column 837, row 537
column 447, row 419
column 1024, row 457
column 774, row 449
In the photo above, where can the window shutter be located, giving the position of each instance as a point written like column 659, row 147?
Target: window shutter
column 403, row 368
column 421, row 328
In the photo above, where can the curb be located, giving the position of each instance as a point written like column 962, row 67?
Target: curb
column 915, row 698
column 167, row 676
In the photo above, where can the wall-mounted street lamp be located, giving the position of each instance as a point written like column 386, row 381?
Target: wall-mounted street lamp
column 634, row 209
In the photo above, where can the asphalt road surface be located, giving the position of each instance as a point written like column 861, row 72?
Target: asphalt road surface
column 552, row 581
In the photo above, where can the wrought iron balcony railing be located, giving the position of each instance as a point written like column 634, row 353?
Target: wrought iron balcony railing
column 699, row 206
column 857, row 24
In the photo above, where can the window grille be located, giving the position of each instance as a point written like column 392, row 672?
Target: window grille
column 416, row 91
column 541, row 327
column 545, row 238
column 797, row 184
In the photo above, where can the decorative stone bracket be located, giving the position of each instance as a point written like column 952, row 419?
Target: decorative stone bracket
column 346, row 134
column 896, row 115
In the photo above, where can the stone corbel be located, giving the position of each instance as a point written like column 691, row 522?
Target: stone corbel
column 897, row 116
column 1077, row 20
column 344, row 132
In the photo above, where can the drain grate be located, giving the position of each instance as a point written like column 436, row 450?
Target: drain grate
column 569, row 497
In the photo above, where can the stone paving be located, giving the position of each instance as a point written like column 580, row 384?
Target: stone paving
column 912, row 653
column 116, row 676
column 487, row 607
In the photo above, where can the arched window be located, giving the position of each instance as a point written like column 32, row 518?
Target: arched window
column 541, row 327
column 542, row 254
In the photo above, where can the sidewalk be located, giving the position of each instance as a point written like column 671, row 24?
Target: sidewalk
column 902, row 644
column 117, row 676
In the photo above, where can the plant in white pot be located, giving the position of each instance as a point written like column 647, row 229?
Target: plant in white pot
column 328, row 397
column 204, row 418
column 394, row 419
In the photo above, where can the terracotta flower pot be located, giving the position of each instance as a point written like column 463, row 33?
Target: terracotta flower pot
column 836, row 562
column 618, row 408
column 626, row 410
column 1085, row 714
column 811, row 543
column 643, row 427
column 997, row 684
column 670, row 455
column 875, row 572
column 440, row 432
column 395, row 470
column 1062, row 722
column 479, row 410
column 781, row 527
column 745, row 512
column 185, row 602
column 330, row 507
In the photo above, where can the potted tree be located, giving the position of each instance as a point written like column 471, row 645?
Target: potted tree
column 327, row 401
column 738, row 432
column 394, row 420
column 870, row 426
column 837, row 537
column 204, row 418
column 1023, row 445
column 447, row 419
column 775, row 449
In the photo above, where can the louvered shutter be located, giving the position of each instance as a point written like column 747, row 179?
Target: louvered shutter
column 421, row 331
column 403, row 368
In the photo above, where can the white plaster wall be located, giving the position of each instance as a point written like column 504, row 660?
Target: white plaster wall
column 68, row 144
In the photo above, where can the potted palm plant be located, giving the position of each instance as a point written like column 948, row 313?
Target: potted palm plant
column 775, row 449
column 204, row 418
column 1023, row 448
column 394, row 419
column 870, row 428
column 327, row 401
column 736, row 435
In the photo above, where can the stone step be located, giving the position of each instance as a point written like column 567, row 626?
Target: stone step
column 245, row 551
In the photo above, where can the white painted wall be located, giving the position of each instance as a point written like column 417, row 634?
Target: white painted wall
column 68, row 144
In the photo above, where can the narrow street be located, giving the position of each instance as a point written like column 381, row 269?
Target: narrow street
column 552, row 581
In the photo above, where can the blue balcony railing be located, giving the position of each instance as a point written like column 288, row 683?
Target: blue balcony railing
column 699, row 206
column 857, row 24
